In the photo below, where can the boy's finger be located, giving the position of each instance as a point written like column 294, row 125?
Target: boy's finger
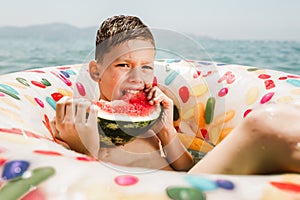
column 148, row 85
column 53, row 128
column 93, row 114
column 151, row 94
column 81, row 112
column 60, row 109
column 69, row 115
column 158, row 99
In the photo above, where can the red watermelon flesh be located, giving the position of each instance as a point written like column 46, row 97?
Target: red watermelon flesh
column 131, row 105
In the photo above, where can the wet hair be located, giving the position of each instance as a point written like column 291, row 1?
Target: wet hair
column 117, row 30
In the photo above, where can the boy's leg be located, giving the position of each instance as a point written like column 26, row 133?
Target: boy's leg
column 266, row 141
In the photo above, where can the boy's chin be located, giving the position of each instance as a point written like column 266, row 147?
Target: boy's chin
column 115, row 97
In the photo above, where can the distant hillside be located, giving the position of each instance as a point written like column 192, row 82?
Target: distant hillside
column 65, row 32
column 55, row 31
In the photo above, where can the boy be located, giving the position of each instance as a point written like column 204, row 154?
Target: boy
column 125, row 52
column 266, row 141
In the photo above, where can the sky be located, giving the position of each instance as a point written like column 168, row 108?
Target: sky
column 220, row 19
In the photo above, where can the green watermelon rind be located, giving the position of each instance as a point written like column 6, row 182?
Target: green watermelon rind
column 121, row 129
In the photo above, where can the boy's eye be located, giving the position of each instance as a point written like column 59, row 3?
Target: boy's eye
column 123, row 65
column 147, row 67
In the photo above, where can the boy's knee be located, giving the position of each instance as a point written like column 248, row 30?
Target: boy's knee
column 260, row 121
column 269, row 120
column 254, row 118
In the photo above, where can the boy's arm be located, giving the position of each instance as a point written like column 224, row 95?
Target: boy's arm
column 176, row 153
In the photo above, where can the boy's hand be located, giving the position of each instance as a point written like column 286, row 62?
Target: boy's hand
column 73, row 127
column 156, row 97
column 55, row 134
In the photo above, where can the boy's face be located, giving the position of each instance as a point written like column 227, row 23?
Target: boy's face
column 126, row 69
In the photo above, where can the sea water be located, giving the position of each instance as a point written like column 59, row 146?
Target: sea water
column 18, row 54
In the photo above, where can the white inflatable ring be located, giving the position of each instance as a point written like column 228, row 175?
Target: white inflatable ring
column 211, row 99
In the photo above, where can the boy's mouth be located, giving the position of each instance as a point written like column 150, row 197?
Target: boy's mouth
column 130, row 92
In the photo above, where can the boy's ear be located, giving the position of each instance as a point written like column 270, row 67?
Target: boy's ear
column 94, row 70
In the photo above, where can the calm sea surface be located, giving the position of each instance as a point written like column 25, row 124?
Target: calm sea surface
column 18, row 54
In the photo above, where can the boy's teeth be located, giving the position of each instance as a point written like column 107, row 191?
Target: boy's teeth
column 132, row 91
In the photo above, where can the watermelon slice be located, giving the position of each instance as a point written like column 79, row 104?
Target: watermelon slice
column 121, row 121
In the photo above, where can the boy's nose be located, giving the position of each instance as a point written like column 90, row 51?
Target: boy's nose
column 135, row 75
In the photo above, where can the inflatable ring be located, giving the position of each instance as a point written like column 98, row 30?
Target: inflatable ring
column 210, row 100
